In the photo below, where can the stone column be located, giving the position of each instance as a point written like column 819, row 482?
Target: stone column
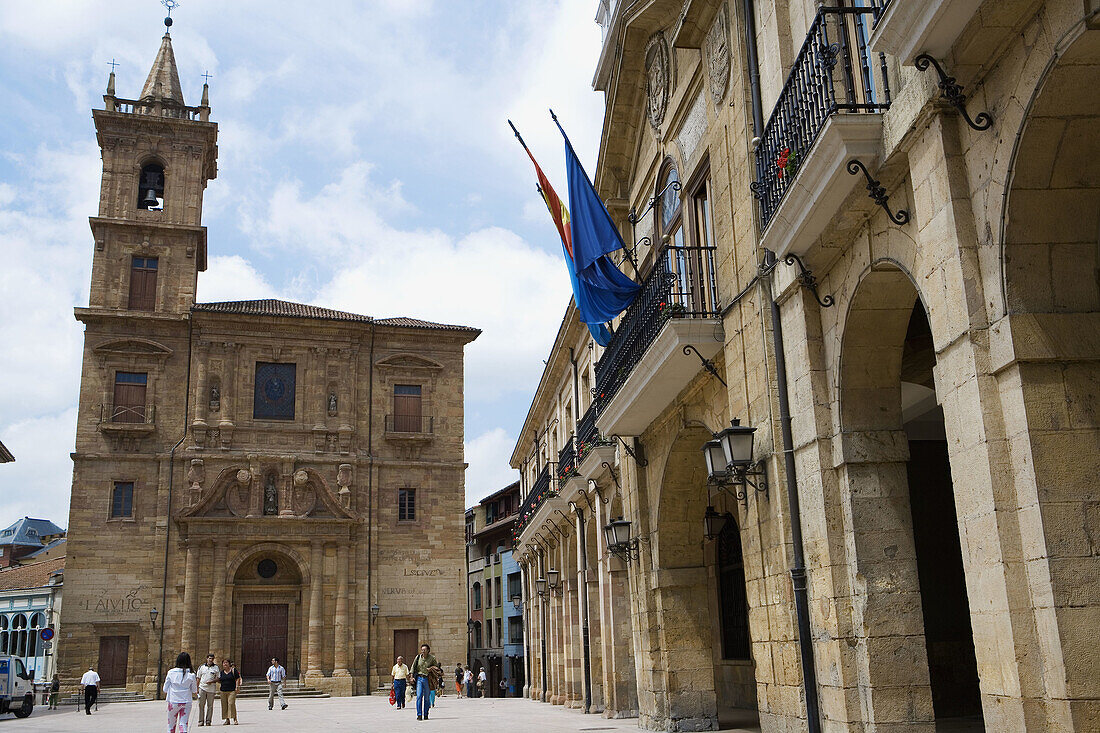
column 190, row 599
column 316, row 601
column 217, row 602
column 341, row 628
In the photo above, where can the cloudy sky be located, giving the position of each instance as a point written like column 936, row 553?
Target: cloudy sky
column 365, row 164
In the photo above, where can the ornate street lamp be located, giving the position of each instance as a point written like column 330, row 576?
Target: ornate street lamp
column 540, row 586
column 714, row 523
column 553, row 581
column 374, row 609
column 517, row 601
column 153, row 616
column 729, row 462
column 619, row 542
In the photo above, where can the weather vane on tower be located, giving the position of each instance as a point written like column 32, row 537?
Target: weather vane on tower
column 170, row 5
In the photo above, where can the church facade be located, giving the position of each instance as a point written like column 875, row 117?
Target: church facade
column 251, row 478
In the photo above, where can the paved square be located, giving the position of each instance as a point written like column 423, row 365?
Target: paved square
column 371, row 713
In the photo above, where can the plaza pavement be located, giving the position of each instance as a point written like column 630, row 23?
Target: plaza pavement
column 371, row 713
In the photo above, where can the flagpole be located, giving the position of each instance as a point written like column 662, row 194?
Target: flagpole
column 626, row 250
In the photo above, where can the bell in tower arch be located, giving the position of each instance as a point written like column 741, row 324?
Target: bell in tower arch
column 151, row 188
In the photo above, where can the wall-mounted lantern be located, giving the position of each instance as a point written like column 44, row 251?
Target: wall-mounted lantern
column 730, row 465
column 619, row 542
column 714, row 523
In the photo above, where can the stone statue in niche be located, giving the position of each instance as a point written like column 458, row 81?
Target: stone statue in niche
column 304, row 497
column 332, row 404
column 271, row 496
column 658, row 78
column 195, row 476
column 215, row 397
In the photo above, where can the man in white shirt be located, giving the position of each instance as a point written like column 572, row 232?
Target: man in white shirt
column 90, row 684
column 275, row 676
column 208, row 689
column 481, row 683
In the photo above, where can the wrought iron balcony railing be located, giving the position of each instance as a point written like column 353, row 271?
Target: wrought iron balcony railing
column 567, row 459
column 412, row 424
column 680, row 285
column 879, row 7
column 832, row 74
column 127, row 414
column 540, row 492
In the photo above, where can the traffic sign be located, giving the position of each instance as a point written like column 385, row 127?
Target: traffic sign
column 47, row 645
column 46, row 634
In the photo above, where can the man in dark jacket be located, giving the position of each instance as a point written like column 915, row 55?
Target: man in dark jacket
column 424, row 669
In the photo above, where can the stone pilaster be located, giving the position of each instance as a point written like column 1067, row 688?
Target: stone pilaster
column 316, row 603
column 190, row 598
column 218, row 643
column 340, row 654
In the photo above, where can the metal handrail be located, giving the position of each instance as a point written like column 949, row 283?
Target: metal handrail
column 127, row 414
column 567, row 459
column 833, row 73
column 412, row 424
column 540, row 492
column 681, row 285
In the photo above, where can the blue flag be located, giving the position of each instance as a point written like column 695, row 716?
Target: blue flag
column 601, row 290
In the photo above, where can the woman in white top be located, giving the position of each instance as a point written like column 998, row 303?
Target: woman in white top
column 180, row 686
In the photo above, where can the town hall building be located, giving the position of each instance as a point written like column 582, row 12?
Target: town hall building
column 251, row 478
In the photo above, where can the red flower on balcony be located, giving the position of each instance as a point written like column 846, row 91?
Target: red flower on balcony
column 787, row 162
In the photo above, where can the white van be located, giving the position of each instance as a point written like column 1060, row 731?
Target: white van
column 16, row 687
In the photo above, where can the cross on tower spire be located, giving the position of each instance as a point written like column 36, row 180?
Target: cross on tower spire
column 170, row 5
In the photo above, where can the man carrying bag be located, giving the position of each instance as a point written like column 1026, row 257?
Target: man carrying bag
column 425, row 668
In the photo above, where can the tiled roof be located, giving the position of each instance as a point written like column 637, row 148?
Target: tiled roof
column 405, row 322
column 47, row 548
column 5, row 454
column 272, row 307
column 34, row 575
column 28, row 531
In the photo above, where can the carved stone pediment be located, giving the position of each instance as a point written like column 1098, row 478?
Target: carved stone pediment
column 238, row 492
column 408, row 362
column 133, row 347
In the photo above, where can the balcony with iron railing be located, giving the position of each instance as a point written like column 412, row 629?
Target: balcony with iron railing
column 649, row 359
column 567, row 459
column 422, row 426
column 541, row 490
column 828, row 112
column 127, row 418
column 907, row 28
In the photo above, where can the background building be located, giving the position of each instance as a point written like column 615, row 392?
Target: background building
column 891, row 280
column 251, row 478
column 28, row 537
column 30, row 601
column 496, row 595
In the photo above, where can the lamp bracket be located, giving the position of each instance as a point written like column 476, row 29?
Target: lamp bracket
column 708, row 365
column 737, row 480
column 642, row 462
column 626, row 551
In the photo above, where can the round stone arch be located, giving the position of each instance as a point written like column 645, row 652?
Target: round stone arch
column 273, row 548
column 686, row 628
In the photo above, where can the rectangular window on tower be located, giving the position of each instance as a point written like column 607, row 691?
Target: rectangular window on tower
column 129, row 403
column 122, row 500
column 406, row 505
column 143, row 283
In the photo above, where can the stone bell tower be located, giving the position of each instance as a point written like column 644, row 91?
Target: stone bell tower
column 148, row 247
column 158, row 154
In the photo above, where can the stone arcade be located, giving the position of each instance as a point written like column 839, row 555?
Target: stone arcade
column 274, row 479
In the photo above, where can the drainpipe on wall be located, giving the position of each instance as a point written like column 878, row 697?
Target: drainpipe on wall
column 583, row 590
column 370, row 499
column 168, row 514
column 798, row 569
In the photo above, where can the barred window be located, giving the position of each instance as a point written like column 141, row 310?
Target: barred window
column 406, row 505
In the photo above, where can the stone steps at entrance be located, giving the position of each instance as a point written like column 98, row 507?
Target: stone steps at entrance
column 290, row 689
column 105, row 696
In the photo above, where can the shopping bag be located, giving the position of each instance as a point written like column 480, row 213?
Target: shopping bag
column 393, row 696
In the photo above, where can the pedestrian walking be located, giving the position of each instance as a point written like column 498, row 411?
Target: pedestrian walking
column 275, row 676
column 400, row 674
column 207, row 676
column 468, row 680
column 425, row 669
column 229, row 682
column 90, row 684
column 482, row 680
column 55, row 690
column 460, row 674
column 180, row 686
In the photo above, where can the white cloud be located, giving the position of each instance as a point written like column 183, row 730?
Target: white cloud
column 488, row 471
column 38, row 483
column 232, row 277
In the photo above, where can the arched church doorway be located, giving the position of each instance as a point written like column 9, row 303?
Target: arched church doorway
column 914, row 613
column 267, row 593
